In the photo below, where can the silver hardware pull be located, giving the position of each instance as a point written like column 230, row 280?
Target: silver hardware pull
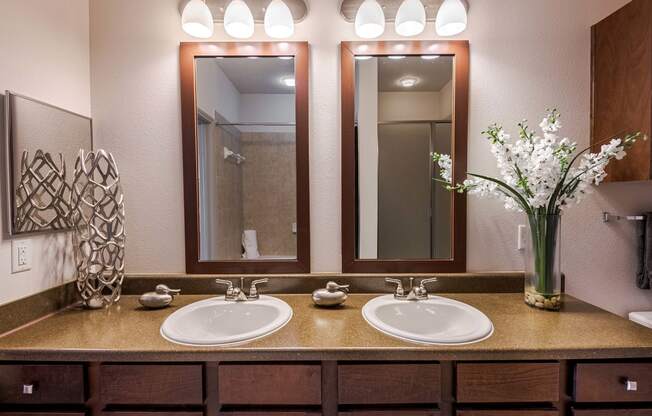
column 399, row 286
column 28, row 389
column 253, row 291
column 631, row 385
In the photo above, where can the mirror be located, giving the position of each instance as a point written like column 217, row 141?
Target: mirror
column 404, row 112
column 401, row 103
column 247, row 158
column 245, row 136
column 42, row 144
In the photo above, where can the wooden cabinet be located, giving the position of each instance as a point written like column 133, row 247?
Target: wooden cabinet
column 608, row 382
column 395, row 412
column 271, row 413
column 270, row 384
column 622, row 85
column 159, row 384
column 507, row 382
column 507, row 413
column 42, row 384
column 41, row 414
column 612, row 412
column 152, row 413
column 412, row 383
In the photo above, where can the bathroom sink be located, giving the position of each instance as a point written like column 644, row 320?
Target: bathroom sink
column 215, row 321
column 435, row 320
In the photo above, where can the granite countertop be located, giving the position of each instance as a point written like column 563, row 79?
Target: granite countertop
column 125, row 332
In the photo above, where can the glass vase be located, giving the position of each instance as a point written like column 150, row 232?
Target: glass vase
column 542, row 262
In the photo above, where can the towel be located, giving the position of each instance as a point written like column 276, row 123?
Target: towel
column 250, row 244
column 644, row 236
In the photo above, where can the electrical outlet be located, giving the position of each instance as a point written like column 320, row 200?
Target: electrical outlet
column 520, row 238
column 21, row 256
column 294, row 228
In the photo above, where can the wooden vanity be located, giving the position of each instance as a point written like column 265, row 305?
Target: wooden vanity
column 582, row 362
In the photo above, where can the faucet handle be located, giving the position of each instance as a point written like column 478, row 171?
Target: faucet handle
column 228, row 284
column 253, row 290
column 424, row 282
column 399, row 285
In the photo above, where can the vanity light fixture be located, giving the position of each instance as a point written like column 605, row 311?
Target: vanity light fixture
column 279, row 23
column 429, row 57
column 197, row 19
column 285, row 58
column 363, row 57
column 238, row 20
column 396, row 57
column 369, row 20
column 408, row 82
column 289, row 81
column 410, row 18
column 451, row 18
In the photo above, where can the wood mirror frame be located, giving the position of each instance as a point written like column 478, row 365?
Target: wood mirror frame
column 189, row 51
column 459, row 50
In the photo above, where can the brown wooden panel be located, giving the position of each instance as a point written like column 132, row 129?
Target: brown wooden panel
column 41, row 414
column 269, row 384
column 389, row 383
column 151, row 384
column 507, row 382
column 612, row 412
column 622, row 85
column 596, row 382
column 507, row 413
column 395, row 412
column 53, row 384
column 152, row 413
column 271, row 413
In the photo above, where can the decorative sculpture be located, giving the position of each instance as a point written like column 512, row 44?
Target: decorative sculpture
column 98, row 216
column 42, row 195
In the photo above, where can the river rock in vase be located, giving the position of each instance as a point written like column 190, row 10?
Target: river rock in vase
column 98, row 217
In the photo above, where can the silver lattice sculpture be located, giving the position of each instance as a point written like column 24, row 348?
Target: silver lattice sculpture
column 42, row 195
column 98, row 216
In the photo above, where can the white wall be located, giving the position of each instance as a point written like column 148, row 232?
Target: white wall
column 526, row 56
column 408, row 106
column 215, row 92
column 44, row 53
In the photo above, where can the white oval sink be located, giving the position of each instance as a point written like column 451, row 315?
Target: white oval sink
column 215, row 322
column 437, row 320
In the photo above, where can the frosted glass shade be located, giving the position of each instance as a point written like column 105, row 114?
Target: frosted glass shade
column 279, row 23
column 451, row 18
column 410, row 18
column 197, row 20
column 369, row 20
column 238, row 20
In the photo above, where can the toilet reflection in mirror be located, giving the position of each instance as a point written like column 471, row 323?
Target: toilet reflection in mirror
column 247, row 158
column 403, row 113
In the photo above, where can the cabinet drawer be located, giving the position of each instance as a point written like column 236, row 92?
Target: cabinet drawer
column 41, row 414
column 389, row 383
column 607, row 382
column 270, row 384
column 612, row 412
column 395, row 412
column 271, row 413
column 507, row 382
column 50, row 384
column 507, row 413
column 161, row 413
column 151, row 384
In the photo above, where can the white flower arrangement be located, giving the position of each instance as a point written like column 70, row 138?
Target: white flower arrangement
column 538, row 172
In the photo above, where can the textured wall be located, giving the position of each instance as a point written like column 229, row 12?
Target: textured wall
column 44, row 53
column 526, row 55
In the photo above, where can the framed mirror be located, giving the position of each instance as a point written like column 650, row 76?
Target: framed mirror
column 402, row 101
column 42, row 142
column 245, row 152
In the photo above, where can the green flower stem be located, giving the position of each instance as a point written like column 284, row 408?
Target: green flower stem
column 544, row 230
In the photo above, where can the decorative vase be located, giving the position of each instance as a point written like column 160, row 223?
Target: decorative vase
column 542, row 262
column 98, row 216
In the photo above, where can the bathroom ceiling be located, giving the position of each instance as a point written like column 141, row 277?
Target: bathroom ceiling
column 298, row 9
column 432, row 74
column 258, row 76
column 348, row 8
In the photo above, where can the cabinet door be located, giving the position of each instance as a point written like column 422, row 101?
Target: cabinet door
column 607, row 382
column 612, row 412
column 152, row 413
column 394, row 412
column 41, row 414
column 507, row 413
column 622, row 81
column 41, row 384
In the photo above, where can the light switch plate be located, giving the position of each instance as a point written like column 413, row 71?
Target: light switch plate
column 21, row 255
column 520, row 238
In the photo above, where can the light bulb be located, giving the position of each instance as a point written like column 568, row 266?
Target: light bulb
column 451, row 18
column 408, row 82
column 279, row 23
column 410, row 18
column 238, row 20
column 197, row 20
column 370, row 20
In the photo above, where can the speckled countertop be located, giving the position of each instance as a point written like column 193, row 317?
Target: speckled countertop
column 125, row 332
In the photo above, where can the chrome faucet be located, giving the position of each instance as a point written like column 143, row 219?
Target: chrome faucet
column 237, row 294
column 418, row 292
